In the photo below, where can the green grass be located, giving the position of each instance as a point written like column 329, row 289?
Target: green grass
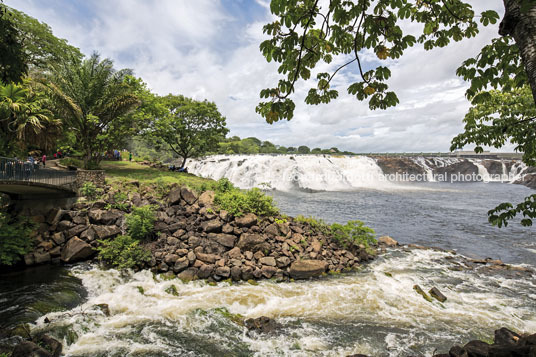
column 124, row 171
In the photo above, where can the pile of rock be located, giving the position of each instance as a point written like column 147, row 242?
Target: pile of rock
column 196, row 241
column 505, row 343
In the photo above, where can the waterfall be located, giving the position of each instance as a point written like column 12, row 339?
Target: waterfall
column 290, row 172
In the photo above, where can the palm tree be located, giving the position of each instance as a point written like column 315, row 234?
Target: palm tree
column 90, row 97
column 25, row 118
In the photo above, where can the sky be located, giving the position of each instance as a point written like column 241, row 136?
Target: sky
column 209, row 49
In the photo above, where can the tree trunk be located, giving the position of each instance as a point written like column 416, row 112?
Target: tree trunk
column 184, row 158
column 522, row 27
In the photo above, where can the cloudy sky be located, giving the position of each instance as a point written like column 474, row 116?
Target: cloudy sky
column 209, row 49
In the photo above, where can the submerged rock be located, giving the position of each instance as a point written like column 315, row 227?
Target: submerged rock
column 261, row 324
column 438, row 295
column 421, row 292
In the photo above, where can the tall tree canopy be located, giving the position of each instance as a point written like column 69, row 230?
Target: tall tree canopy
column 92, row 97
column 190, row 128
column 306, row 33
column 13, row 59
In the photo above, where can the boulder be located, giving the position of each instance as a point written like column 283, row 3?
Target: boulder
column 88, row 235
column 205, row 271
column 268, row 271
column 188, row 274
column 188, row 195
column 270, row 261
column 41, row 258
column 224, row 272
column 438, row 295
column 64, row 225
column 227, row 240
column 504, row 336
column 206, row 199
column 174, row 196
column 207, row 258
column 304, row 269
column 261, row 324
column 272, row 230
column 75, row 231
column 213, row 226
column 170, row 259
column 234, row 253
column 29, row 259
column 181, row 264
column 55, row 215
column 247, row 220
column 50, row 344
column 477, row 348
column 249, row 241
column 76, row 250
column 58, row 238
column 106, row 217
column 104, row 232
column 29, row 349
column 387, row 241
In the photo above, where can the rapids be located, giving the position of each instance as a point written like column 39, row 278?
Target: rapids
column 374, row 311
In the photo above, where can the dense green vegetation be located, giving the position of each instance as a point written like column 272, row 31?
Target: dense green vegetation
column 15, row 238
column 122, row 252
column 140, row 222
column 238, row 202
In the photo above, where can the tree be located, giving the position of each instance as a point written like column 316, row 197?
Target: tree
column 91, row 97
column 305, row 34
column 191, row 128
column 316, row 151
column 504, row 117
column 25, row 119
column 304, row 149
column 41, row 48
column 13, row 59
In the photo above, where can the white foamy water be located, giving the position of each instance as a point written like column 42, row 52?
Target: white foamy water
column 329, row 173
column 375, row 311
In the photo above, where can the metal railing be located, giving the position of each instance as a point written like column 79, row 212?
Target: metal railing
column 18, row 170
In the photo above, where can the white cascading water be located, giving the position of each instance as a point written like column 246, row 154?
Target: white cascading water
column 288, row 172
column 325, row 172
column 375, row 312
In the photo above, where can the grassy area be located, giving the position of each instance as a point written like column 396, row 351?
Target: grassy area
column 124, row 171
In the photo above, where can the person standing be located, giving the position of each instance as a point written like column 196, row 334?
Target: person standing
column 44, row 160
column 130, row 156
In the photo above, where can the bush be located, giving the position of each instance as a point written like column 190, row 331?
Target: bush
column 140, row 223
column 224, row 185
column 317, row 225
column 15, row 238
column 123, row 252
column 353, row 233
column 89, row 190
column 238, row 202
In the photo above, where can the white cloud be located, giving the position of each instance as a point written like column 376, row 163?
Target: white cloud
column 201, row 49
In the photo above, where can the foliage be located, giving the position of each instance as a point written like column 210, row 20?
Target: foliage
column 26, row 119
column 13, row 59
column 119, row 202
column 71, row 161
column 92, row 98
column 318, row 225
column 353, row 233
column 224, row 185
column 306, row 34
column 189, row 127
column 122, row 252
column 41, row 47
column 15, row 238
column 238, row 202
column 140, row 222
column 89, row 190
column 496, row 118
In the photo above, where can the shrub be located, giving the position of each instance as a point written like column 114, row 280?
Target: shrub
column 15, row 238
column 123, row 252
column 353, row 233
column 140, row 223
column 224, row 185
column 120, row 202
column 318, row 225
column 89, row 190
column 238, row 202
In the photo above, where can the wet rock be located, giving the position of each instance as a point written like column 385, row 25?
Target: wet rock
column 76, row 250
column 421, row 292
column 268, row 271
column 188, row 195
column 29, row 349
column 504, row 336
column 29, row 259
column 304, row 269
column 224, row 271
column 41, row 258
column 528, row 340
column 104, row 308
column 261, row 324
column 181, row 264
column 236, row 272
column 188, row 274
column 477, row 348
column 50, row 344
column 387, row 241
column 205, row 271
column 511, row 351
column 457, row 351
column 247, row 220
column 438, row 295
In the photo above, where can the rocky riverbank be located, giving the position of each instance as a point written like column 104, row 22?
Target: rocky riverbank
column 195, row 240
